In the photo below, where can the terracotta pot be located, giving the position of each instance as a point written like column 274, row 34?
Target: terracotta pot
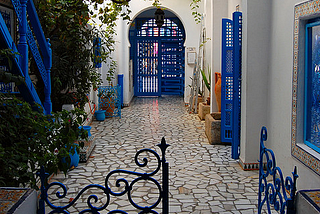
column 217, row 89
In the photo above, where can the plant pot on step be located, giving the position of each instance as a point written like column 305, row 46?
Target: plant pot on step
column 100, row 115
column 74, row 158
column 86, row 128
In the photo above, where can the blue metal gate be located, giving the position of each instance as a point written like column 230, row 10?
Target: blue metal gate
column 158, row 57
column 147, row 75
column 231, row 82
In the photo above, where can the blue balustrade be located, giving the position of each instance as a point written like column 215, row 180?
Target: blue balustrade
column 274, row 190
column 24, row 9
column 108, row 193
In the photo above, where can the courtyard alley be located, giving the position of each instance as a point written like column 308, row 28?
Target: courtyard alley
column 202, row 177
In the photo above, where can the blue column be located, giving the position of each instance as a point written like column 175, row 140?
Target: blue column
column 23, row 46
column 120, row 82
column 48, row 64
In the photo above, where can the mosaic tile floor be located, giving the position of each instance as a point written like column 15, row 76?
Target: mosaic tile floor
column 203, row 177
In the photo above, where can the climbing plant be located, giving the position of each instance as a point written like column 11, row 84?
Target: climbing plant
column 194, row 8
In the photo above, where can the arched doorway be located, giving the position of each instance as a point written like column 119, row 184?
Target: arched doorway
column 157, row 57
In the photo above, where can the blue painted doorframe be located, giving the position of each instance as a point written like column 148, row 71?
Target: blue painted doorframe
column 231, row 82
column 158, row 57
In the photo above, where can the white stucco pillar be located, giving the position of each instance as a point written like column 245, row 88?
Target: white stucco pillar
column 255, row 68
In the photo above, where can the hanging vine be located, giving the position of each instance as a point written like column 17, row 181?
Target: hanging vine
column 194, row 8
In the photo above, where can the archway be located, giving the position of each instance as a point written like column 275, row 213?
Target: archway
column 157, row 57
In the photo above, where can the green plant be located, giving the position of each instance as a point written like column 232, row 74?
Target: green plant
column 206, row 79
column 110, row 74
column 6, row 56
column 194, row 8
column 30, row 139
column 72, row 26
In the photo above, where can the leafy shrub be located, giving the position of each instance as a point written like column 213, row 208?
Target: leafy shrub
column 30, row 139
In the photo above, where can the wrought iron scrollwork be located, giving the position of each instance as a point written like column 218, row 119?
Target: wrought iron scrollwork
column 279, row 192
column 125, row 186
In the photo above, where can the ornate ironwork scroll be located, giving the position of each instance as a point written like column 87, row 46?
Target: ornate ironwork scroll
column 127, row 187
column 277, row 192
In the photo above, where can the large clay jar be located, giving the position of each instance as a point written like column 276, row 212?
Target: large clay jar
column 217, row 89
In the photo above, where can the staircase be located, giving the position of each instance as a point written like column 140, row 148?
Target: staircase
column 40, row 48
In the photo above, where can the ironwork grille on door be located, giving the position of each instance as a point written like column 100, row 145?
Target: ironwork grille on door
column 147, row 76
column 158, row 58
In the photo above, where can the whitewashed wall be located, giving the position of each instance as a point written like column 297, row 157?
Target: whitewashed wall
column 280, row 91
column 267, row 66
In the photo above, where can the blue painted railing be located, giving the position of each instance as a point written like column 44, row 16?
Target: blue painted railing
column 128, row 187
column 277, row 192
column 24, row 8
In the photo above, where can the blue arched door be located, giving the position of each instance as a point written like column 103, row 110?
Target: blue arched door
column 158, row 57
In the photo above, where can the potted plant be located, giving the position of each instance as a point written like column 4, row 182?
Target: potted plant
column 30, row 139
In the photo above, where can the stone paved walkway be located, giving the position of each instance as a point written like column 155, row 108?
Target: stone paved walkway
column 203, row 177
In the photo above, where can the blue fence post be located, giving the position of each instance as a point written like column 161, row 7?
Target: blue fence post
column 165, row 176
column 120, row 82
column 43, row 196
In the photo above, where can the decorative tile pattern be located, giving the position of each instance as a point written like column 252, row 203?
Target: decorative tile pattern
column 302, row 11
column 313, row 197
column 9, row 198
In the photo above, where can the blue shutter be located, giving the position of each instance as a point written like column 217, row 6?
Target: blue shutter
column 226, row 80
column 237, row 43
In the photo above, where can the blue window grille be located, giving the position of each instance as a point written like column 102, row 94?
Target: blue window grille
column 312, row 86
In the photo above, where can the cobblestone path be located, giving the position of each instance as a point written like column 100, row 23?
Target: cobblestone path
column 203, row 177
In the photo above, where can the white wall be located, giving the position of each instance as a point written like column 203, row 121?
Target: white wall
column 183, row 11
column 280, row 92
column 267, row 67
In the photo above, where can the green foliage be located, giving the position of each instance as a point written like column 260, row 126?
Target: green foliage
column 71, row 27
column 194, row 8
column 29, row 139
column 6, row 56
column 206, row 79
